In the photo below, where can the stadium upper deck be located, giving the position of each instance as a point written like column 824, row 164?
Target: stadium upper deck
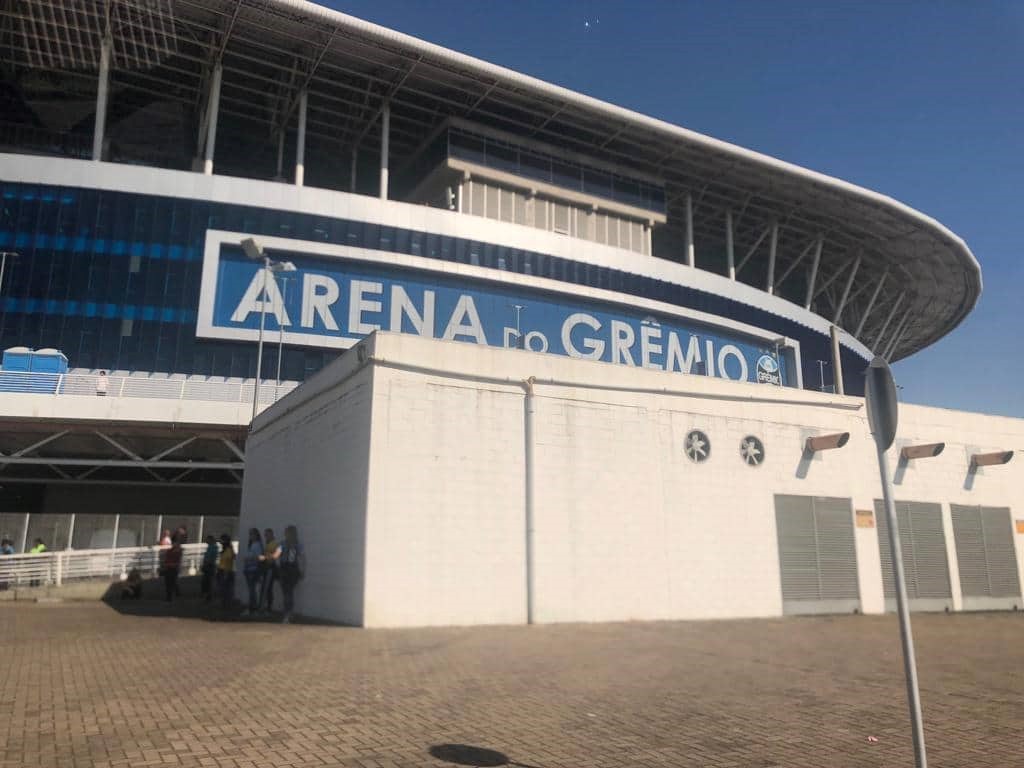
column 289, row 91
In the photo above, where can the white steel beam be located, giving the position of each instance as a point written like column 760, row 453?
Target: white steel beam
column 846, row 290
column 385, row 141
column 108, row 483
column 897, row 334
column 888, row 319
column 40, row 443
column 753, row 249
column 871, row 304
column 691, row 256
column 730, row 248
column 212, row 108
column 300, row 140
column 233, row 448
column 141, row 463
column 795, row 264
column 102, row 90
column 814, row 273
column 172, row 449
column 772, row 250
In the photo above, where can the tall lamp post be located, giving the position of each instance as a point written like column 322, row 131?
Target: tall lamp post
column 883, row 415
column 255, row 251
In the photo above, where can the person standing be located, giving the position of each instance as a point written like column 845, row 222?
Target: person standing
column 269, row 563
column 101, row 384
column 251, row 569
column 226, row 570
column 169, row 567
column 293, row 564
column 38, row 548
column 209, row 567
column 165, row 539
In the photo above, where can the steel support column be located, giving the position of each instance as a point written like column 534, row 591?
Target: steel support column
column 814, row 272
column 730, row 247
column 24, row 531
column 691, row 255
column 888, row 319
column 846, row 290
column 385, row 142
column 102, row 90
column 212, row 108
column 300, row 140
column 871, row 304
column 71, row 530
column 897, row 334
column 772, row 250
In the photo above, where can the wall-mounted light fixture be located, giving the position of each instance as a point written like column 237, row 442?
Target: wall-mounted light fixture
column 826, row 442
column 990, row 459
column 927, row 451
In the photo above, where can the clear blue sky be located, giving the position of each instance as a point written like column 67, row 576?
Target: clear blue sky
column 921, row 101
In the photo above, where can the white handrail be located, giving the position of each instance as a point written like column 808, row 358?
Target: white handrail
column 57, row 568
column 190, row 388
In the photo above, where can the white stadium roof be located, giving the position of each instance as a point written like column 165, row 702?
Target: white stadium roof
column 875, row 252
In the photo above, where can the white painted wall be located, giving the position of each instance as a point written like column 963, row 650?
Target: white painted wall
column 309, row 468
column 626, row 526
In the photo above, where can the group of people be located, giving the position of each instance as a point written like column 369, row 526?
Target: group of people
column 266, row 562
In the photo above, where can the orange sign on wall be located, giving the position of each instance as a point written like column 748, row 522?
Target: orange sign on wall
column 866, row 518
column 1020, row 526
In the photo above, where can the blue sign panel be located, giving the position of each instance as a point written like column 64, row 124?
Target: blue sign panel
column 332, row 301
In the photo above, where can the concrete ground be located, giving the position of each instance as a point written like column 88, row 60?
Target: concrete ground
column 83, row 684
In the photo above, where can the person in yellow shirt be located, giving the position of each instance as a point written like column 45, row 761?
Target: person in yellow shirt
column 226, row 570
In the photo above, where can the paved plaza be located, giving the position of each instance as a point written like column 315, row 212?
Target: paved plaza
column 83, row 684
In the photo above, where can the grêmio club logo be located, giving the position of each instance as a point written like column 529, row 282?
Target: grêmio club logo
column 768, row 371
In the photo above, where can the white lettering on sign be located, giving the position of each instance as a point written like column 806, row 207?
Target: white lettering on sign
column 465, row 321
column 594, row 347
column 401, row 304
column 727, row 351
column 676, row 360
column 648, row 335
column 358, row 304
column 622, row 340
column 253, row 301
column 319, row 292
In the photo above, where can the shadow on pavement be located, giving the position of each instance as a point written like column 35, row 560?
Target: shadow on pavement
column 190, row 604
column 478, row 757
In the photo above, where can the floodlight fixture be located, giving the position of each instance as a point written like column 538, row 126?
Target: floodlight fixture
column 926, row 451
column 253, row 250
column 826, row 442
column 990, row 459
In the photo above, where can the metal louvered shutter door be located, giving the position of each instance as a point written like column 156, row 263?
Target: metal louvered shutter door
column 925, row 563
column 817, row 557
column 798, row 554
column 986, row 556
column 1003, row 577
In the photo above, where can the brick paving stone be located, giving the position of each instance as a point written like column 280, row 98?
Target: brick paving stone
column 85, row 685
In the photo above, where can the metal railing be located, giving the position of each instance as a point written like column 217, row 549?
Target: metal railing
column 93, row 385
column 58, row 568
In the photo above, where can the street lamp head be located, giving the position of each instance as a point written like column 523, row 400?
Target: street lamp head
column 252, row 249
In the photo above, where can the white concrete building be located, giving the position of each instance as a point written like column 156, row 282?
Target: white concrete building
column 413, row 471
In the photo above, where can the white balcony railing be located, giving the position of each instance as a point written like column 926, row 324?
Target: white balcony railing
column 94, row 385
column 58, row 568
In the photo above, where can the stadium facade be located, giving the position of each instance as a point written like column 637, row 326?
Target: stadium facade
column 383, row 184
